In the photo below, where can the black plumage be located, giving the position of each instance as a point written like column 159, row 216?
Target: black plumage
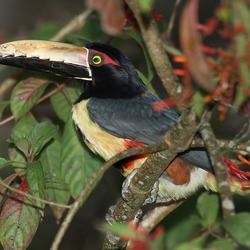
column 124, row 109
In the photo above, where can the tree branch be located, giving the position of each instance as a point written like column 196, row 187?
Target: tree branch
column 73, row 25
column 156, row 51
column 172, row 18
column 15, row 190
column 52, row 92
column 219, row 168
column 240, row 148
column 156, row 215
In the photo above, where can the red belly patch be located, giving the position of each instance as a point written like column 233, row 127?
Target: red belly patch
column 179, row 171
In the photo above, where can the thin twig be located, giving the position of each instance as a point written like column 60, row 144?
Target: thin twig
column 59, row 88
column 10, row 81
column 228, row 208
column 8, row 119
column 156, row 215
column 172, row 18
column 73, row 25
column 230, row 145
column 154, row 44
column 32, row 197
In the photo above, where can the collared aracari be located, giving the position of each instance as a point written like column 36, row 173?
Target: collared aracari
column 115, row 111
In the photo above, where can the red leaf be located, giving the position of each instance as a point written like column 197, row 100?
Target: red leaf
column 7, row 181
column 26, row 94
column 191, row 46
column 18, row 220
column 111, row 14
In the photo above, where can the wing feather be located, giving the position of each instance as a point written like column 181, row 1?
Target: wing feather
column 135, row 119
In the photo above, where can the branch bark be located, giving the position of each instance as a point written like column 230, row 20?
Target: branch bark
column 156, row 51
column 219, row 168
column 156, row 215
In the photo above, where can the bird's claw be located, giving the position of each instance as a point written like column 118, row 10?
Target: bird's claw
column 109, row 217
column 125, row 193
column 152, row 197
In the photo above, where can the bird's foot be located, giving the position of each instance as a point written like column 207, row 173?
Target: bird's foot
column 110, row 216
column 152, row 195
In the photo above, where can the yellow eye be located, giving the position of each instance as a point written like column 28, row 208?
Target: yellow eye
column 96, row 59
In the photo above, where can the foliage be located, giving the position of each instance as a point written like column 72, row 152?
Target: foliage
column 51, row 164
column 47, row 165
column 202, row 228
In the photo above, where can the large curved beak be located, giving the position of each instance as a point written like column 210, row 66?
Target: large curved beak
column 57, row 58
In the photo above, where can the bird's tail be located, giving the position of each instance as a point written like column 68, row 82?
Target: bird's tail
column 239, row 179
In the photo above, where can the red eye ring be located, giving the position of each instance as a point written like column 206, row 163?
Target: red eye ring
column 98, row 58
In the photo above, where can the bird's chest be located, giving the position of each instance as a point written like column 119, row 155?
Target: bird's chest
column 98, row 140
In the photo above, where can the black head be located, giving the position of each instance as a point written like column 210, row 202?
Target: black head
column 113, row 74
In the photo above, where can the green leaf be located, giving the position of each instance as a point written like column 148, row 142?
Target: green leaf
column 30, row 136
column 4, row 190
column 221, row 245
column 56, row 190
column 238, row 227
column 187, row 224
column 20, row 137
column 91, row 31
column 3, row 162
column 145, row 5
column 122, row 229
column 3, row 106
column 199, row 102
column 223, row 14
column 25, row 95
column 46, row 31
column 23, row 145
column 241, row 16
column 22, row 128
column 36, row 182
column 62, row 102
column 19, row 220
column 208, row 208
column 17, row 158
column 41, row 134
column 150, row 67
column 78, row 163
column 146, row 82
column 196, row 244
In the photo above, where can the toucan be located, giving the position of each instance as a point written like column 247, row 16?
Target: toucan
column 115, row 111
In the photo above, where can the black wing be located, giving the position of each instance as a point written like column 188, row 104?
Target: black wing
column 135, row 119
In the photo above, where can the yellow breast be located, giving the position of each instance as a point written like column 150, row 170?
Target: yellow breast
column 97, row 140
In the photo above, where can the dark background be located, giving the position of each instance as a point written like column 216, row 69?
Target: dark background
column 18, row 20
